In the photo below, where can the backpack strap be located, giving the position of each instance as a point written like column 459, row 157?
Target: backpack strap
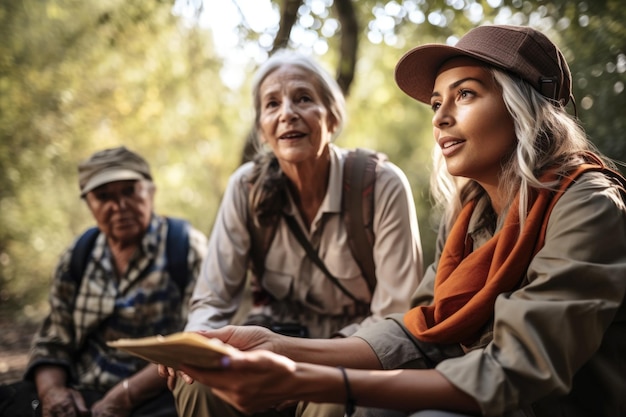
column 312, row 254
column 359, row 178
column 357, row 207
column 261, row 237
column 80, row 255
column 176, row 251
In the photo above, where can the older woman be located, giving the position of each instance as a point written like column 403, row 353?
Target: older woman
column 523, row 313
column 297, row 181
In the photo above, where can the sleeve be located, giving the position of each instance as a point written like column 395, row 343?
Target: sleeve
column 397, row 246
column 195, row 257
column 396, row 348
column 54, row 343
column 555, row 323
column 219, row 288
column 425, row 292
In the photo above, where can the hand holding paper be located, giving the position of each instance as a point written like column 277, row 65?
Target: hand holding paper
column 183, row 348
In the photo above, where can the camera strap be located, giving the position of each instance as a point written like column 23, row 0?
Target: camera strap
column 312, row 254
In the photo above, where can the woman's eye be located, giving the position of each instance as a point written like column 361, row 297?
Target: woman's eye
column 466, row 93
column 435, row 106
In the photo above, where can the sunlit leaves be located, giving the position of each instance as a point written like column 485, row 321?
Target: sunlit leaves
column 80, row 75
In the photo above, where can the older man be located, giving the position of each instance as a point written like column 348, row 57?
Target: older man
column 128, row 285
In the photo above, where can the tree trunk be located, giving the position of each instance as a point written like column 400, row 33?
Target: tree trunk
column 349, row 44
column 288, row 17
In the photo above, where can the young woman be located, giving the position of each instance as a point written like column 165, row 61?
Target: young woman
column 523, row 311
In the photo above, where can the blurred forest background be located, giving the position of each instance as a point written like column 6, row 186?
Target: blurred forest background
column 77, row 76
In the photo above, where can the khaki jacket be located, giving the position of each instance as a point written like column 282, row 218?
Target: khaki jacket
column 557, row 345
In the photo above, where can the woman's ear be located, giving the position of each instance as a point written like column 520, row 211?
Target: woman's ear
column 332, row 124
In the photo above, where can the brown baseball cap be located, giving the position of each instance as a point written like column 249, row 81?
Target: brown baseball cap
column 520, row 50
column 110, row 165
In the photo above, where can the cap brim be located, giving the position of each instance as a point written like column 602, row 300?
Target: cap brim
column 417, row 69
column 108, row 176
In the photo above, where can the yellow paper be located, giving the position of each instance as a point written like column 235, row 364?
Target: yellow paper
column 183, row 348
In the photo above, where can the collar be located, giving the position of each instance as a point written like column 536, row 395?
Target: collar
column 332, row 199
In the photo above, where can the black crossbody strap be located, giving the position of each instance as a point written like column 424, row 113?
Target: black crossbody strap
column 312, row 254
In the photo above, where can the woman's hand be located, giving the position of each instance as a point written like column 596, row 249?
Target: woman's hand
column 250, row 381
column 172, row 375
column 245, row 337
column 240, row 337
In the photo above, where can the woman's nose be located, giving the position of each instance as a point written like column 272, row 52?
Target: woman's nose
column 443, row 116
column 288, row 111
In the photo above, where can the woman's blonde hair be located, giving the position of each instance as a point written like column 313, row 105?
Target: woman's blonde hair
column 547, row 136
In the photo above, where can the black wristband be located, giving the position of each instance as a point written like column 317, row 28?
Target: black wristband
column 350, row 403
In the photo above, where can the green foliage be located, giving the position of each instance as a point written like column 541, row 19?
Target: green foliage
column 79, row 76
column 592, row 35
column 596, row 43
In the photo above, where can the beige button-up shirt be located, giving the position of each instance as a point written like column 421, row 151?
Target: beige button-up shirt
column 143, row 301
column 301, row 290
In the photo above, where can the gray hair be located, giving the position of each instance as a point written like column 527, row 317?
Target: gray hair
column 330, row 92
column 267, row 182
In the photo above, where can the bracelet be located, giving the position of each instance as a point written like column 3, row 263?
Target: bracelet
column 350, row 403
column 127, row 390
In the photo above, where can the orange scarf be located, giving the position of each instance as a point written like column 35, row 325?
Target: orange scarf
column 467, row 283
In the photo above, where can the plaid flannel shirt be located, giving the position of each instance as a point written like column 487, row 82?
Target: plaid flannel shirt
column 145, row 301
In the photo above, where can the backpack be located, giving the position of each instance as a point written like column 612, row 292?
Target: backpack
column 176, row 249
column 357, row 211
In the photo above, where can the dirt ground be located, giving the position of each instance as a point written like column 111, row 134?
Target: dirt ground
column 15, row 338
